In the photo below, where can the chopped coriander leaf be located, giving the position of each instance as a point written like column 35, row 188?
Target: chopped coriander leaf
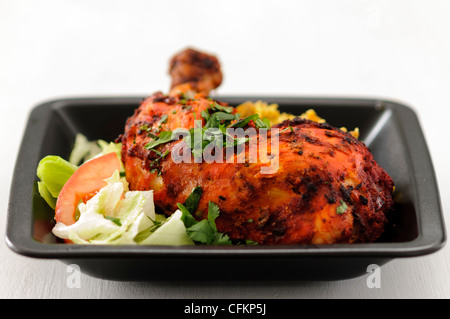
column 222, row 239
column 156, row 224
column 142, row 235
column 190, row 207
column 157, row 153
column 236, row 141
column 205, row 231
column 261, row 124
column 192, row 201
column 201, row 232
column 205, row 115
column 341, row 208
column 153, row 136
column 213, row 213
column 287, row 128
column 164, row 137
column 217, row 107
column 187, row 218
column 221, row 118
column 144, row 127
column 245, row 121
column 163, row 119
column 215, row 119
column 148, row 231
column 167, row 152
column 114, row 220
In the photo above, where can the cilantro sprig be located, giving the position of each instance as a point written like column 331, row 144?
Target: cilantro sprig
column 214, row 133
column 218, row 118
column 203, row 231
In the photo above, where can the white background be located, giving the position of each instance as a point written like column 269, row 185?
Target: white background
column 396, row 50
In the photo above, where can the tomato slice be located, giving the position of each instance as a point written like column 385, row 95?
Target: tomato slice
column 84, row 183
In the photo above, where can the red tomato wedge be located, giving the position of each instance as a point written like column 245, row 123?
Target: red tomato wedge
column 84, row 183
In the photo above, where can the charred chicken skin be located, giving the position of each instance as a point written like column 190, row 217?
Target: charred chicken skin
column 327, row 188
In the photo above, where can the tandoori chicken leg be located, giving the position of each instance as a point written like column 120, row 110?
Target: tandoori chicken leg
column 327, row 187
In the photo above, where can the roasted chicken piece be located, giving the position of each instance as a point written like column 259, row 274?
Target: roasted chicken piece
column 327, row 188
column 194, row 71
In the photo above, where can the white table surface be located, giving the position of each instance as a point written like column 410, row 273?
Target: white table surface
column 396, row 50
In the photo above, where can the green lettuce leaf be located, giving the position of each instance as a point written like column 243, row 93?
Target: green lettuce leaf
column 53, row 172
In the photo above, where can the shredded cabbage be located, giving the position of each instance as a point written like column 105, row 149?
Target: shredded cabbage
column 116, row 216
column 84, row 149
column 172, row 232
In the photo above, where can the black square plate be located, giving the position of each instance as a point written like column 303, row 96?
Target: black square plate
column 389, row 129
